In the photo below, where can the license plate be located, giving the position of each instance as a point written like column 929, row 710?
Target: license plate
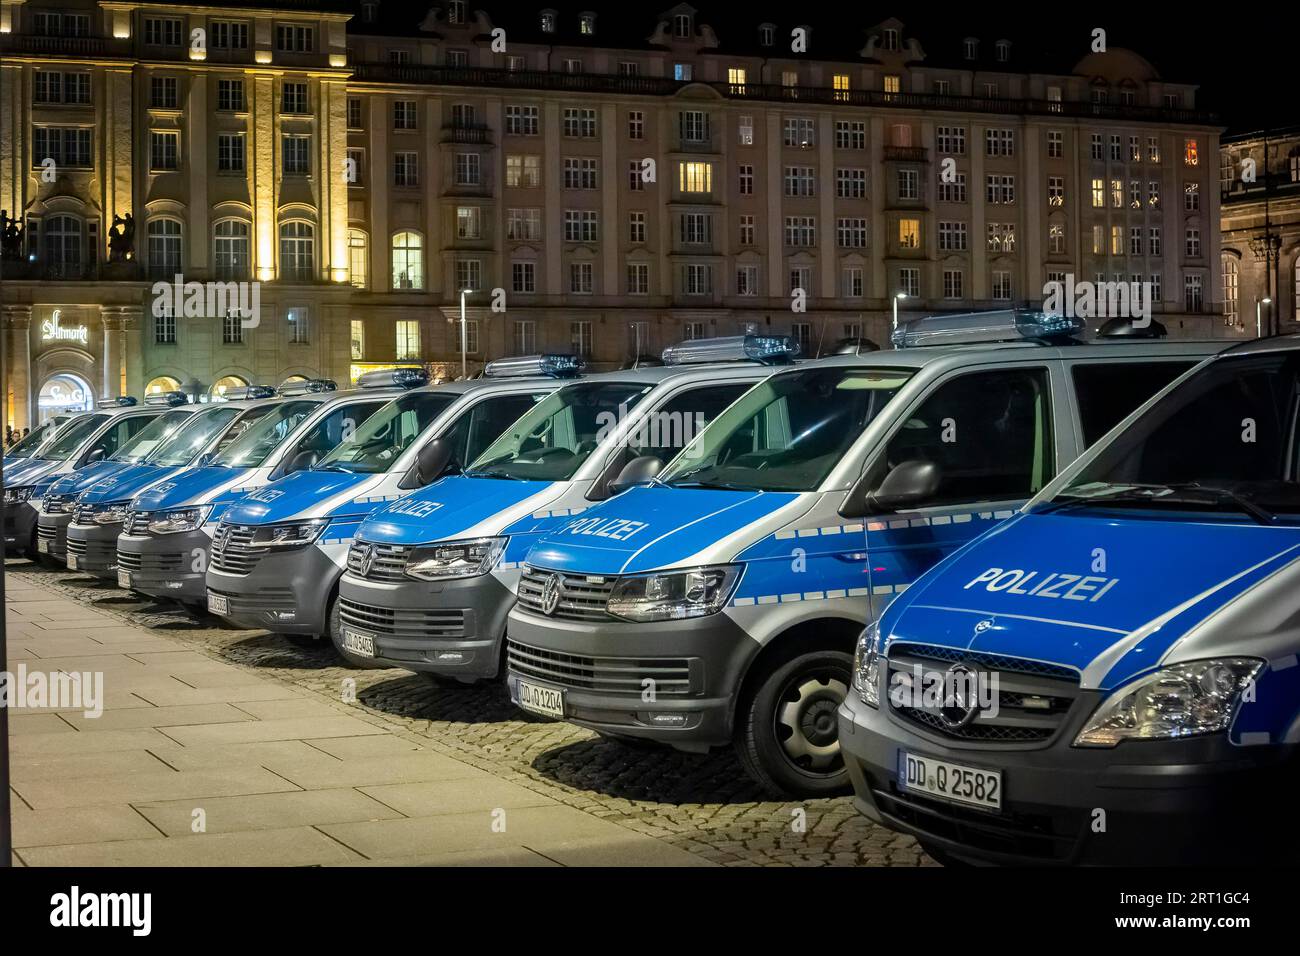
column 953, row 782
column 43, row 545
column 218, row 604
column 124, row 579
column 73, row 561
column 547, row 701
column 363, row 645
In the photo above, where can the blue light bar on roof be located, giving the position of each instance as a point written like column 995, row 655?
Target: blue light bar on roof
column 171, row 399
column 405, row 377
column 553, row 365
column 122, row 401
column 768, row 349
column 307, row 386
column 247, row 393
column 1002, row 325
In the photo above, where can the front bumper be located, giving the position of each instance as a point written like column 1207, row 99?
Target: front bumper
column 452, row 628
column 165, row 566
column 92, row 548
column 1193, row 801
column 288, row 592
column 52, row 535
column 671, row 681
column 20, row 527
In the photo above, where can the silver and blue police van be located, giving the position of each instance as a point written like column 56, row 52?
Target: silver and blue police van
column 98, row 512
column 167, row 533
column 86, row 443
column 1114, row 670
column 30, row 446
column 431, row 577
column 720, row 605
column 278, row 552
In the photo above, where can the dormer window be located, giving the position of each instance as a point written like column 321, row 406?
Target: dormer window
column 682, row 26
column 971, row 47
column 1003, row 51
column 369, row 11
column 455, row 11
column 587, row 24
column 767, row 34
column 889, row 39
column 548, row 22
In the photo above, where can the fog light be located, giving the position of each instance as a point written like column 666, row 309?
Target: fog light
column 449, row 656
column 666, row 720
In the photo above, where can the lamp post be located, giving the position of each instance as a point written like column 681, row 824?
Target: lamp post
column 1259, row 325
column 464, row 371
column 897, row 296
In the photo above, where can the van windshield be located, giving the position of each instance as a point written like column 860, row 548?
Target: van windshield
column 33, row 441
column 251, row 448
column 1223, row 441
column 788, row 432
column 380, row 441
column 551, row 442
column 151, row 437
column 71, row 438
column 192, row 437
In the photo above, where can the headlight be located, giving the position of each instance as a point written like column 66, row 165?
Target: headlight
column 182, row 519
column 295, row 534
column 673, row 595
column 866, row 666
column 15, row 496
column 454, row 559
column 113, row 513
column 1198, row 697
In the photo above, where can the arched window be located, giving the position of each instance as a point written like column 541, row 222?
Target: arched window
column 164, row 248
column 408, row 260
column 63, row 247
column 222, row 385
column 297, row 251
column 1231, row 309
column 163, row 383
column 358, row 258
column 230, row 249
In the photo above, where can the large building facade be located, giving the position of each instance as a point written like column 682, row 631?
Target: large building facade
column 601, row 182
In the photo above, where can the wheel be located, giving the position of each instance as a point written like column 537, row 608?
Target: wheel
column 787, row 731
column 336, row 637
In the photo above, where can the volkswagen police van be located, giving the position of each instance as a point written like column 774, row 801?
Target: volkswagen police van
column 99, row 511
column 264, row 575
column 38, row 436
column 721, row 603
column 167, row 534
column 431, row 577
column 1132, row 638
column 87, row 442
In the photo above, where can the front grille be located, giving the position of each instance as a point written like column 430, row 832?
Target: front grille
column 672, row 676
column 83, row 514
column 56, row 504
column 388, row 562
column 1034, row 697
column 233, row 550
column 266, row 599
column 134, row 561
column 582, row 597
column 137, row 523
column 76, row 546
column 417, row 623
column 49, row 532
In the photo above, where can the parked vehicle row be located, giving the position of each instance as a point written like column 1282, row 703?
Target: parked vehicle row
column 687, row 555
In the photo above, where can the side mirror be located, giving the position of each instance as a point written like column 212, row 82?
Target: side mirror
column 301, row 462
column 430, row 462
column 909, row 483
column 94, row 456
column 638, row 471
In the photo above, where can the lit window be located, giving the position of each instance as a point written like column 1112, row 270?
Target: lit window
column 695, row 177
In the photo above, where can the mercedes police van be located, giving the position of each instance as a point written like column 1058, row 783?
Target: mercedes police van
column 87, row 440
column 99, row 511
column 279, row 551
column 431, row 577
column 721, row 604
column 167, row 534
column 1128, row 645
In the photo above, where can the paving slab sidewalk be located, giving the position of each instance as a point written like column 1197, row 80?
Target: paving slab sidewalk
column 199, row 762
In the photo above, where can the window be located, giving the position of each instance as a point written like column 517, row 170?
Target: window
column 682, row 72
column 954, row 191
column 1116, row 240
column 1109, row 391
column 523, row 276
column 469, row 277
column 1153, row 234
column 408, row 260
column 747, row 280
column 580, row 338
column 952, row 236
column 358, row 259
column 1193, row 294
column 1231, row 312
column 297, row 251
column 767, row 34
column 55, row 87
column 1191, row 197
column 580, row 225
column 1192, row 242
column 524, row 225
column 851, row 232
column 1134, row 194
column 164, row 327
column 1153, row 194
column 572, row 65
column 1155, row 287
column 1000, row 190
column 909, row 233
column 635, row 124
column 1098, row 240
column 798, row 131
column 953, row 284
column 801, row 280
column 909, row 282
column 1002, row 50
column 406, row 169
column 356, row 168
column 693, row 126
column 638, row 278
column 696, row 228
column 293, row 98
column 942, row 87
column 468, row 169
column 695, row 177
column 629, row 68
column 581, row 278
column 1056, row 239
column 299, row 320
column 682, row 25
column 1153, row 149
column 294, row 38
column 1055, row 144
column 230, row 152
column 232, row 329
column 1004, row 450
column 164, row 248
column 1001, row 237
column 800, row 231
column 523, row 171
column 851, row 183
column 909, row 184
column 468, row 223
column 587, row 24
column 164, row 150
column 892, row 84
column 579, row 173
column 404, row 115
column 999, row 142
column 1001, row 285
column 951, row 140
column 799, row 181
column 1190, row 155
column 297, row 154
column 736, row 79
column 849, row 134
column 840, row 84
column 851, row 283
column 1135, row 241
column 230, row 95
column 636, row 227
column 634, row 180
column 354, row 113
column 697, row 279
column 228, row 35
column 408, row 339
column 746, row 230
column 1096, row 149
column 524, row 335
column 1056, row 190
column 230, row 249
column 746, row 179
column 970, row 48
column 162, row 31
column 1115, row 153
column 1134, row 150
column 745, row 130
column 548, row 22
column 579, row 123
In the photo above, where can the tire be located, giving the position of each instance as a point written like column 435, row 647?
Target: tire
column 787, row 731
column 336, row 638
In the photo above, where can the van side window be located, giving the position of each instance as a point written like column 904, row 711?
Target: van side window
column 672, row 426
column 990, row 433
column 334, row 428
column 119, row 434
column 1108, row 391
column 484, row 423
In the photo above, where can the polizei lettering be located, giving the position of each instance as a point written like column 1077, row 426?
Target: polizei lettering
column 616, row 529
column 1044, row 584
column 416, row 509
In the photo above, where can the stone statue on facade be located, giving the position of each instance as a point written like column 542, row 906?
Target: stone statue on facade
column 11, row 236
column 121, row 239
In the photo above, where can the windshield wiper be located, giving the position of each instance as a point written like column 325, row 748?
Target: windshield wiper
column 1174, row 494
column 1227, row 496
column 721, row 485
column 490, row 473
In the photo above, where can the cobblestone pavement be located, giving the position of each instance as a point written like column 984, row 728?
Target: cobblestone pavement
column 704, row 804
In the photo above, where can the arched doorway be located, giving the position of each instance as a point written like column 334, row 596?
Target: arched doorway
column 163, row 383
column 64, row 392
column 219, row 387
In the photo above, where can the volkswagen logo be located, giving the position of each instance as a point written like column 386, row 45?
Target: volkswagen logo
column 367, row 559
column 551, row 593
column 961, row 697
column 983, row 625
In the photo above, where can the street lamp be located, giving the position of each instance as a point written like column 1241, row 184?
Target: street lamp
column 464, row 372
column 897, row 296
column 1259, row 327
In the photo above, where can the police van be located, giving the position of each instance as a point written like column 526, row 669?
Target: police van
column 86, row 444
column 306, row 520
column 721, row 603
column 98, row 512
column 1128, row 645
column 431, row 577
column 29, row 447
column 167, row 533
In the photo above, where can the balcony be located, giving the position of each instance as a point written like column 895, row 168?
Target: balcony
column 467, row 135
column 61, row 46
column 906, row 154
